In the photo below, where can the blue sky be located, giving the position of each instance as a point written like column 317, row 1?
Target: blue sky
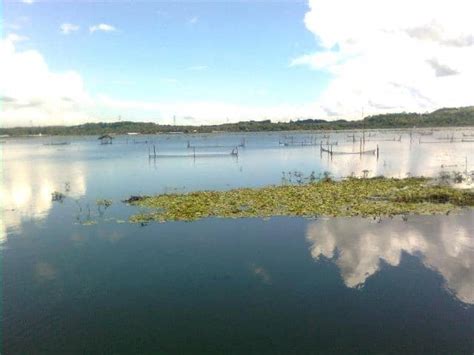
column 209, row 61
column 237, row 52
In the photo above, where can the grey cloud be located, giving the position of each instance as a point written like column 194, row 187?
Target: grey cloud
column 381, row 106
column 431, row 32
column 29, row 104
column 12, row 103
column 7, row 99
column 441, row 69
column 434, row 32
column 421, row 99
column 330, row 112
column 462, row 41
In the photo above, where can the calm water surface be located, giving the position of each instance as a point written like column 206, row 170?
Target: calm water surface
column 76, row 278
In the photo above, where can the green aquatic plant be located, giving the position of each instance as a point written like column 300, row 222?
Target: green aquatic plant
column 350, row 197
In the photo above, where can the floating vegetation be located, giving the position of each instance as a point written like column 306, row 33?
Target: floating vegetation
column 350, row 197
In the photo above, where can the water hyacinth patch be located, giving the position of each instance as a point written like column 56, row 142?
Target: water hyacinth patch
column 350, row 197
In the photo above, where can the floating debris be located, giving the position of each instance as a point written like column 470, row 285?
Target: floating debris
column 57, row 196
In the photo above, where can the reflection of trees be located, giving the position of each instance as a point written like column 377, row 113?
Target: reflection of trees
column 445, row 244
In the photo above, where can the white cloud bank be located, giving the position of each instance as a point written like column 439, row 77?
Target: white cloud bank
column 392, row 55
column 31, row 94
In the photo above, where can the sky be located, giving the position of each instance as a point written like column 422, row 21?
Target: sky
column 202, row 62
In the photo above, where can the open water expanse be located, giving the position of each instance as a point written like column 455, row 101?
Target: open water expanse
column 78, row 278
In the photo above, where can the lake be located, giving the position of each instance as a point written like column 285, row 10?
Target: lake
column 78, row 278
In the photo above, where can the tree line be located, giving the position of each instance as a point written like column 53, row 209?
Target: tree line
column 446, row 117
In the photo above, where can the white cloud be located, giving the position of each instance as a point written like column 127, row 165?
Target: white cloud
column 67, row 28
column 392, row 55
column 103, row 27
column 29, row 2
column 13, row 38
column 31, row 92
column 206, row 112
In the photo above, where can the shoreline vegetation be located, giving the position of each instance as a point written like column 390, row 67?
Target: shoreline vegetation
column 446, row 117
column 365, row 197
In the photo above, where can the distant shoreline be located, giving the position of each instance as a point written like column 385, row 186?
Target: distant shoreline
column 347, row 130
column 5, row 140
column 443, row 118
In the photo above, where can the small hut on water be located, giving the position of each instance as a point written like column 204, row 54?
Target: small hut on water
column 106, row 139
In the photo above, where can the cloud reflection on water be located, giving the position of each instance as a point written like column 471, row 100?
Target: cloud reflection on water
column 357, row 246
column 399, row 159
column 27, row 187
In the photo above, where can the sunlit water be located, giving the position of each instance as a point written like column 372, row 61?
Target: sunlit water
column 284, row 285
